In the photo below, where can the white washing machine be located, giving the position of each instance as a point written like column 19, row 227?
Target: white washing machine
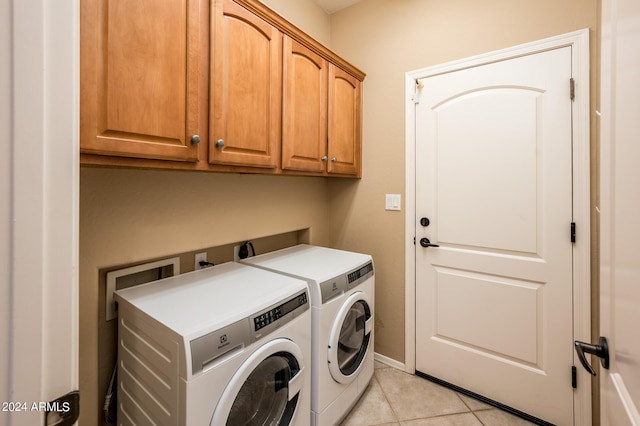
column 226, row 345
column 342, row 286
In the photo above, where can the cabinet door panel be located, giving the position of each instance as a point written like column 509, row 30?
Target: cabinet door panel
column 304, row 115
column 141, row 71
column 345, row 120
column 247, row 88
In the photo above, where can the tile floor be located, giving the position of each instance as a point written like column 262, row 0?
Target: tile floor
column 395, row 398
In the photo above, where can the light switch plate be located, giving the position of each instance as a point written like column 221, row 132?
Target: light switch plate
column 392, row 202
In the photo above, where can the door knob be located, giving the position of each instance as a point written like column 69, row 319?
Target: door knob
column 195, row 139
column 220, row 143
column 601, row 351
column 424, row 242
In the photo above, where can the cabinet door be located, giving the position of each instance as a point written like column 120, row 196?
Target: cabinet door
column 345, row 123
column 141, row 70
column 304, row 109
column 246, row 90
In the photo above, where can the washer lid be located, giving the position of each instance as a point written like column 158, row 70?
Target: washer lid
column 198, row 302
column 310, row 262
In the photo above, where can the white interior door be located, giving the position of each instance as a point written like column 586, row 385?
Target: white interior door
column 494, row 178
column 38, row 210
column 620, row 201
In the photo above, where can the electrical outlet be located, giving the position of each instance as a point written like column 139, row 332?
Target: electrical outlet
column 236, row 256
column 200, row 257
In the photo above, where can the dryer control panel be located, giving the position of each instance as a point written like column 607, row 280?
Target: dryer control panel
column 357, row 276
column 339, row 285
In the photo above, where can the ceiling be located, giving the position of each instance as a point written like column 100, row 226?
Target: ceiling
column 331, row 6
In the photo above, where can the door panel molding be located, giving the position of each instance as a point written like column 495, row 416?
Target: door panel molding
column 579, row 43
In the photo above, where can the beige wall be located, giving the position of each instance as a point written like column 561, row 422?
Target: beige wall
column 386, row 39
column 305, row 14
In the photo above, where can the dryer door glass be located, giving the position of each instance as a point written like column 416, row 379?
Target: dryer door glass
column 354, row 338
column 264, row 397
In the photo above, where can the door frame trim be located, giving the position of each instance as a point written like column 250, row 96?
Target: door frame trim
column 579, row 42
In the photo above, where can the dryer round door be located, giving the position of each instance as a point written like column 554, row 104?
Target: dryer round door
column 350, row 340
column 266, row 388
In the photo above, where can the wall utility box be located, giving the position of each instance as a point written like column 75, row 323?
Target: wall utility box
column 136, row 275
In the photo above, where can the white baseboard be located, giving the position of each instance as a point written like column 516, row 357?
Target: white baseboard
column 388, row 361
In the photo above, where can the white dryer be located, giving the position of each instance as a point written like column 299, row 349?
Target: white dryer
column 227, row 345
column 342, row 286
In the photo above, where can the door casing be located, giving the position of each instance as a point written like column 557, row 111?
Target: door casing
column 579, row 42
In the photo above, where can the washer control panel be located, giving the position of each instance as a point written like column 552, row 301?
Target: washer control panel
column 276, row 316
column 212, row 348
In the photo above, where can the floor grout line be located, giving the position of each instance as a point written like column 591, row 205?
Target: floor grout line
column 393, row 415
column 478, row 418
column 468, row 410
column 393, row 410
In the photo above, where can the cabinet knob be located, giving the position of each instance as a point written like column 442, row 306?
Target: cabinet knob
column 324, row 158
column 334, row 159
column 195, row 139
column 220, row 143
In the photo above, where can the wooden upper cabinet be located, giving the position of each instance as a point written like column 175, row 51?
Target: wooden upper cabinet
column 246, row 90
column 322, row 120
column 345, row 123
column 213, row 85
column 304, row 109
column 143, row 76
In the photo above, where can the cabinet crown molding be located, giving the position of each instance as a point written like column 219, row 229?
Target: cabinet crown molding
column 260, row 9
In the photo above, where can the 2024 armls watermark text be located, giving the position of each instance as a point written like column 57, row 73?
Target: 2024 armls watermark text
column 56, row 406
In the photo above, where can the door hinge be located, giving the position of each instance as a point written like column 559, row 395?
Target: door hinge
column 573, row 232
column 572, row 89
column 574, row 377
column 63, row 411
column 416, row 95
